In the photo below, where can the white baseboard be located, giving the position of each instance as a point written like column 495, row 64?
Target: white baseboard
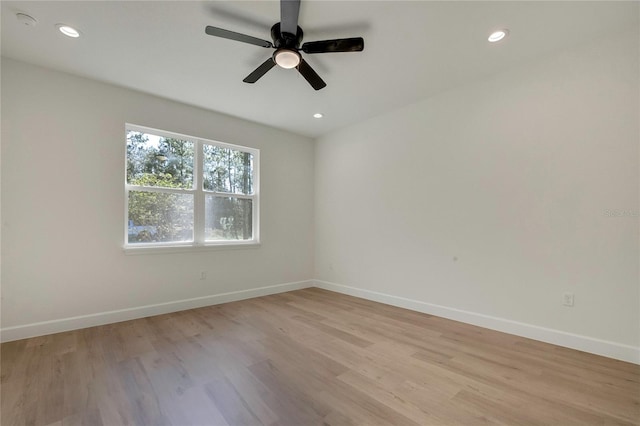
column 556, row 337
column 574, row 341
column 73, row 323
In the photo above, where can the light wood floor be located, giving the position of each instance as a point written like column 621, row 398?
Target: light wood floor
column 308, row 357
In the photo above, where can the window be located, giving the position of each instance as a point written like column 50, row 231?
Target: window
column 186, row 191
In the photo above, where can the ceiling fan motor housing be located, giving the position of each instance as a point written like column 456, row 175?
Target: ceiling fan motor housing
column 286, row 40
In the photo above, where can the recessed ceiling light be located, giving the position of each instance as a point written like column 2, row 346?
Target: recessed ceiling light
column 68, row 31
column 318, row 115
column 498, row 35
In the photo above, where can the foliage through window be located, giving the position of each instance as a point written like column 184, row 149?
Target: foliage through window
column 182, row 190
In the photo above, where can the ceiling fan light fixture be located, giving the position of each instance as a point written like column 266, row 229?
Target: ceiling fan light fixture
column 287, row 58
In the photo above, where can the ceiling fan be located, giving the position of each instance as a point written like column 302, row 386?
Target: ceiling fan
column 287, row 36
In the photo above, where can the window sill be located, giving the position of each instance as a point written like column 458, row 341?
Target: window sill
column 168, row 249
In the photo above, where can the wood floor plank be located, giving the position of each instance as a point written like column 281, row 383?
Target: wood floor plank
column 194, row 407
column 380, row 391
column 334, row 332
column 231, row 404
column 288, row 402
column 254, row 393
column 308, row 357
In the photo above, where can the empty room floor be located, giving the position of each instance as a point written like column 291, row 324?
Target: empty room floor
column 308, row 357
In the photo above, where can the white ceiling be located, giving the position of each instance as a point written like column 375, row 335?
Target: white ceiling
column 412, row 50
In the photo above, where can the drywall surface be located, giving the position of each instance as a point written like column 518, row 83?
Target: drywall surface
column 498, row 197
column 63, row 159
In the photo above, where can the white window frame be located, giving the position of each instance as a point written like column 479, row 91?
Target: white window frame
column 199, row 194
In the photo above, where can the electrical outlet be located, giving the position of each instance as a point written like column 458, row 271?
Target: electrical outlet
column 567, row 299
column 203, row 275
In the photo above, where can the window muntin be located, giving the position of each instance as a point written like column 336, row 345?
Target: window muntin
column 185, row 191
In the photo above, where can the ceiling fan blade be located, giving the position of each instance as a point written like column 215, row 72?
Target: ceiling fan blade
column 260, row 71
column 310, row 75
column 355, row 44
column 289, row 11
column 231, row 35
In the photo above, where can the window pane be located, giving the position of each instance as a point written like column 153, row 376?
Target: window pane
column 227, row 170
column 160, row 217
column 158, row 161
column 228, row 218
